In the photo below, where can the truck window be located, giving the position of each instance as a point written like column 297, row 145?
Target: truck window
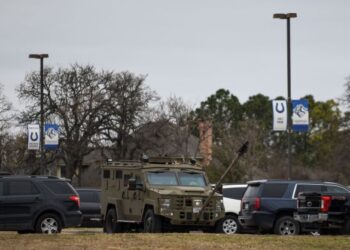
column 336, row 189
column 191, row 179
column 234, row 193
column 307, row 188
column 274, row 190
column 162, row 178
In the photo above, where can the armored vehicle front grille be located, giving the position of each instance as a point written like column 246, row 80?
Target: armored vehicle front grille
column 179, row 203
column 188, row 202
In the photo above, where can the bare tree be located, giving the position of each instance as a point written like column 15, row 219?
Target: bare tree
column 86, row 104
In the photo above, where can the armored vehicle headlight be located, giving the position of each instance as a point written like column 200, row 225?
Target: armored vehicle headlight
column 165, row 203
column 197, row 203
column 219, row 204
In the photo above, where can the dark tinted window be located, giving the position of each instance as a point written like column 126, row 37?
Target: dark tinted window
column 1, row 188
column 252, row 191
column 336, row 189
column 234, row 193
column 118, row 174
column 21, row 188
column 59, row 187
column 274, row 190
column 307, row 188
column 106, row 174
column 89, row 196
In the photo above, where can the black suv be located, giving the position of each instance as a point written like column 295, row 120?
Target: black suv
column 41, row 204
column 269, row 205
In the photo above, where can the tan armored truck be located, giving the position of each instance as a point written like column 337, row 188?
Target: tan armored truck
column 157, row 195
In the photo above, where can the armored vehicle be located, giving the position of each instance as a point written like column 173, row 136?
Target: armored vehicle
column 157, row 195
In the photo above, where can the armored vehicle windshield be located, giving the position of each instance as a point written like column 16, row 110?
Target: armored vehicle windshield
column 176, row 178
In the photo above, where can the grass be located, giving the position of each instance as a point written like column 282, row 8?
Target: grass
column 94, row 240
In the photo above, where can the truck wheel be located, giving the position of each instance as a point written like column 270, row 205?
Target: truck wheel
column 228, row 225
column 48, row 224
column 110, row 223
column 286, row 225
column 151, row 222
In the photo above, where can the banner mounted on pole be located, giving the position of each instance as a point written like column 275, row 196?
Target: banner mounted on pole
column 33, row 137
column 279, row 108
column 51, row 136
column 300, row 115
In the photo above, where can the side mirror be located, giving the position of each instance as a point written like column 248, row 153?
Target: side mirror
column 135, row 186
column 132, row 184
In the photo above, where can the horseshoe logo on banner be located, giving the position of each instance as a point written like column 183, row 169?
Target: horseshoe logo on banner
column 281, row 109
column 34, row 136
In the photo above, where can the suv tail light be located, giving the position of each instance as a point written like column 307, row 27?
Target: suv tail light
column 76, row 199
column 257, row 203
column 325, row 203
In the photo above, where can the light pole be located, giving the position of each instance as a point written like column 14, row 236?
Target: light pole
column 287, row 17
column 41, row 57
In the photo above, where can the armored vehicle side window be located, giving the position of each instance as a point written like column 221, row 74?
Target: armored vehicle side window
column 126, row 179
column 118, row 174
column 274, row 190
column 162, row 178
column 22, row 188
column 106, row 174
column 191, row 179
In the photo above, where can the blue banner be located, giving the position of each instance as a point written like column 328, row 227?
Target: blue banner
column 300, row 115
column 51, row 136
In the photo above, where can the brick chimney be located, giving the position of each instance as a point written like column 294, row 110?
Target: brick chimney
column 205, row 141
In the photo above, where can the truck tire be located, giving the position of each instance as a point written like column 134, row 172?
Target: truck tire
column 110, row 223
column 228, row 225
column 48, row 223
column 286, row 225
column 151, row 222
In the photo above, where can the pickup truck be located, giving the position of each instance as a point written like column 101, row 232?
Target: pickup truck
column 323, row 212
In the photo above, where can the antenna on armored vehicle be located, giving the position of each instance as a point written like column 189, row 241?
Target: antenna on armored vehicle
column 240, row 152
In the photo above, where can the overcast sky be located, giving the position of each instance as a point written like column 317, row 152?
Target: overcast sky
column 188, row 48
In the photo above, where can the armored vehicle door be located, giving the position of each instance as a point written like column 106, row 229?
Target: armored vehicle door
column 132, row 196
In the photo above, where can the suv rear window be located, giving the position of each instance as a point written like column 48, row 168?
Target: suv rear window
column 274, row 190
column 59, row 187
column 234, row 193
column 252, row 191
column 21, row 188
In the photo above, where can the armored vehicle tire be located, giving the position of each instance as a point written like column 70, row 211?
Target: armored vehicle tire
column 286, row 225
column 151, row 222
column 110, row 223
column 48, row 224
column 228, row 225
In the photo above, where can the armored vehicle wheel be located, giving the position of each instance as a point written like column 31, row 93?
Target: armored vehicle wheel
column 286, row 225
column 151, row 222
column 228, row 225
column 110, row 223
column 48, row 224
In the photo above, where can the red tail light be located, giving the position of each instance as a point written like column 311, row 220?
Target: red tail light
column 76, row 199
column 325, row 203
column 257, row 203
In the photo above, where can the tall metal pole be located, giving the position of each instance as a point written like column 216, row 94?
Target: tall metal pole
column 289, row 123
column 42, row 156
column 42, row 152
column 288, row 16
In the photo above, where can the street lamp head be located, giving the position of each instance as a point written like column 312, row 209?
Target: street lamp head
column 284, row 16
column 38, row 56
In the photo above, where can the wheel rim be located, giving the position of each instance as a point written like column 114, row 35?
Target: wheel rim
column 229, row 226
column 49, row 226
column 287, row 227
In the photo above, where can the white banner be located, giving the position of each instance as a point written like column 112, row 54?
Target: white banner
column 279, row 108
column 33, row 137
